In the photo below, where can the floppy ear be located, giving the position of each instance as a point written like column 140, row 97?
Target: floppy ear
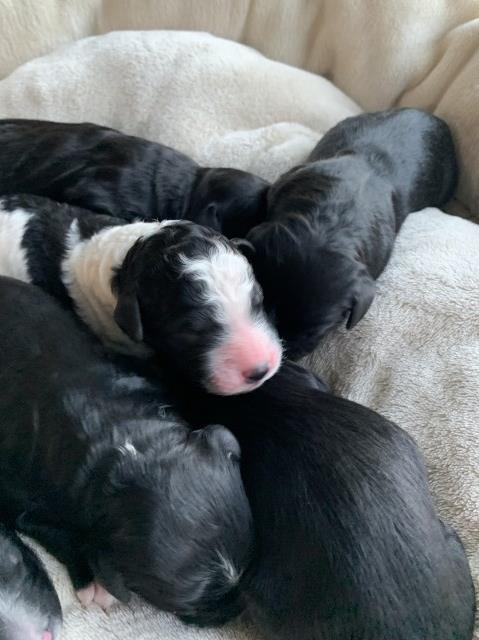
column 128, row 317
column 111, row 580
column 208, row 217
column 362, row 299
column 245, row 247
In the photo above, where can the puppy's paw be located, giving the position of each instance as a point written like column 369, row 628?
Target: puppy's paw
column 86, row 595
column 104, row 599
column 94, row 593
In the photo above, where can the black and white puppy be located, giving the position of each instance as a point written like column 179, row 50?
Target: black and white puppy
column 124, row 176
column 331, row 223
column 97, row 467
column 182, row 289
column 29, row 606
column 348, row 543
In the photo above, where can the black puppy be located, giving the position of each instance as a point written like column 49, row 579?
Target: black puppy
column 97, row 467
column 348, row 544
column 124, row 176
column 182, row 289
column 29, row 606
column 331, row 222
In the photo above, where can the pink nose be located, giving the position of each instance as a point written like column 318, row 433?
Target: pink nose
column 257, row 373
column 47, row 635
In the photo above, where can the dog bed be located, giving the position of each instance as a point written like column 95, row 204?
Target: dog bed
column 414, row 356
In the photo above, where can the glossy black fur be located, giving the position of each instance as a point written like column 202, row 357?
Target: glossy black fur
column 331, row 223
column 29, row 604
column 173, row 316
column 348, row 543
column 125, row 176
column 155, row 304
column 98, row 468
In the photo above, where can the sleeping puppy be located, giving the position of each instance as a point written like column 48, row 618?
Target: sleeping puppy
column 29, row 606
column 182, row 289
column 124, row 176
column 96, row 466
column 331, row 223
column 348, row 543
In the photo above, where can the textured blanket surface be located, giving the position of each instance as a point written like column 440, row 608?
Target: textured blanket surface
column 415, row 355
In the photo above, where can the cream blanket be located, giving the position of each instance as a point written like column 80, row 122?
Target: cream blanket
column 414, row 356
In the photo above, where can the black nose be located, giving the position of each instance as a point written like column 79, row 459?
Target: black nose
column 257, row 374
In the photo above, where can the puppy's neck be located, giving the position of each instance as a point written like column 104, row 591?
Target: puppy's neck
column 87, row 272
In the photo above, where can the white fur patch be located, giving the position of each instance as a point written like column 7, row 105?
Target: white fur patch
column 87, row 272
column 13, row 262
column 19, row 618
column 230, row 571
column 128, row 449
column 228, row 281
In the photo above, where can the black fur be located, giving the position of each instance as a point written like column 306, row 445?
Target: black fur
column 331, row 223
column 29, row 605
column 156, row 303
column 124, row 176
column 348, row 544
column 163, row 519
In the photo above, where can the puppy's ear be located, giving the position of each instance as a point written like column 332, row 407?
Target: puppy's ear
column 128, row 317
column 363, row 296
column 111, row 580
column 245, row 247
column 208, row 217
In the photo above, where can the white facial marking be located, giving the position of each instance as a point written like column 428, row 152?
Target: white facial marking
column 21, row 619
column 248, row 342
column 13, row 262
column 227, row 278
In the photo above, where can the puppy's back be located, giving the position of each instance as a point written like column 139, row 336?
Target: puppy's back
column 95, row 167
column 348, row 543
column 413, row 148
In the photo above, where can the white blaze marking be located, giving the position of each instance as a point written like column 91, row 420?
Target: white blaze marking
column 228, row 281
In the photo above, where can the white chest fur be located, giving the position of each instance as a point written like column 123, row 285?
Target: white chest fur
column 87, row 272
column 13, row 261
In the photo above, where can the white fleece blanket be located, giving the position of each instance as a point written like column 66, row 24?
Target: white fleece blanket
column 414, row 357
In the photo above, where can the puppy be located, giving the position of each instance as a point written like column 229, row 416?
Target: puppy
column 97, row 467
column 124, row 176
column 181, row 289
column 331, row 223
column 348, row 543
column 29, row 606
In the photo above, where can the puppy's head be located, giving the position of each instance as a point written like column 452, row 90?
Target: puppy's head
column 176, row 526
column 191, row 295
column 308, row 289
column 228, row 200
column 29, row 606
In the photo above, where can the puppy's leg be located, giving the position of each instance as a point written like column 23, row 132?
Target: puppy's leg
column 65, row 546
column 95, row 593
column 60, row 543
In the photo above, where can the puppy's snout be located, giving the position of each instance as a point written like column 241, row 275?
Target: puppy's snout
column 257, row 373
